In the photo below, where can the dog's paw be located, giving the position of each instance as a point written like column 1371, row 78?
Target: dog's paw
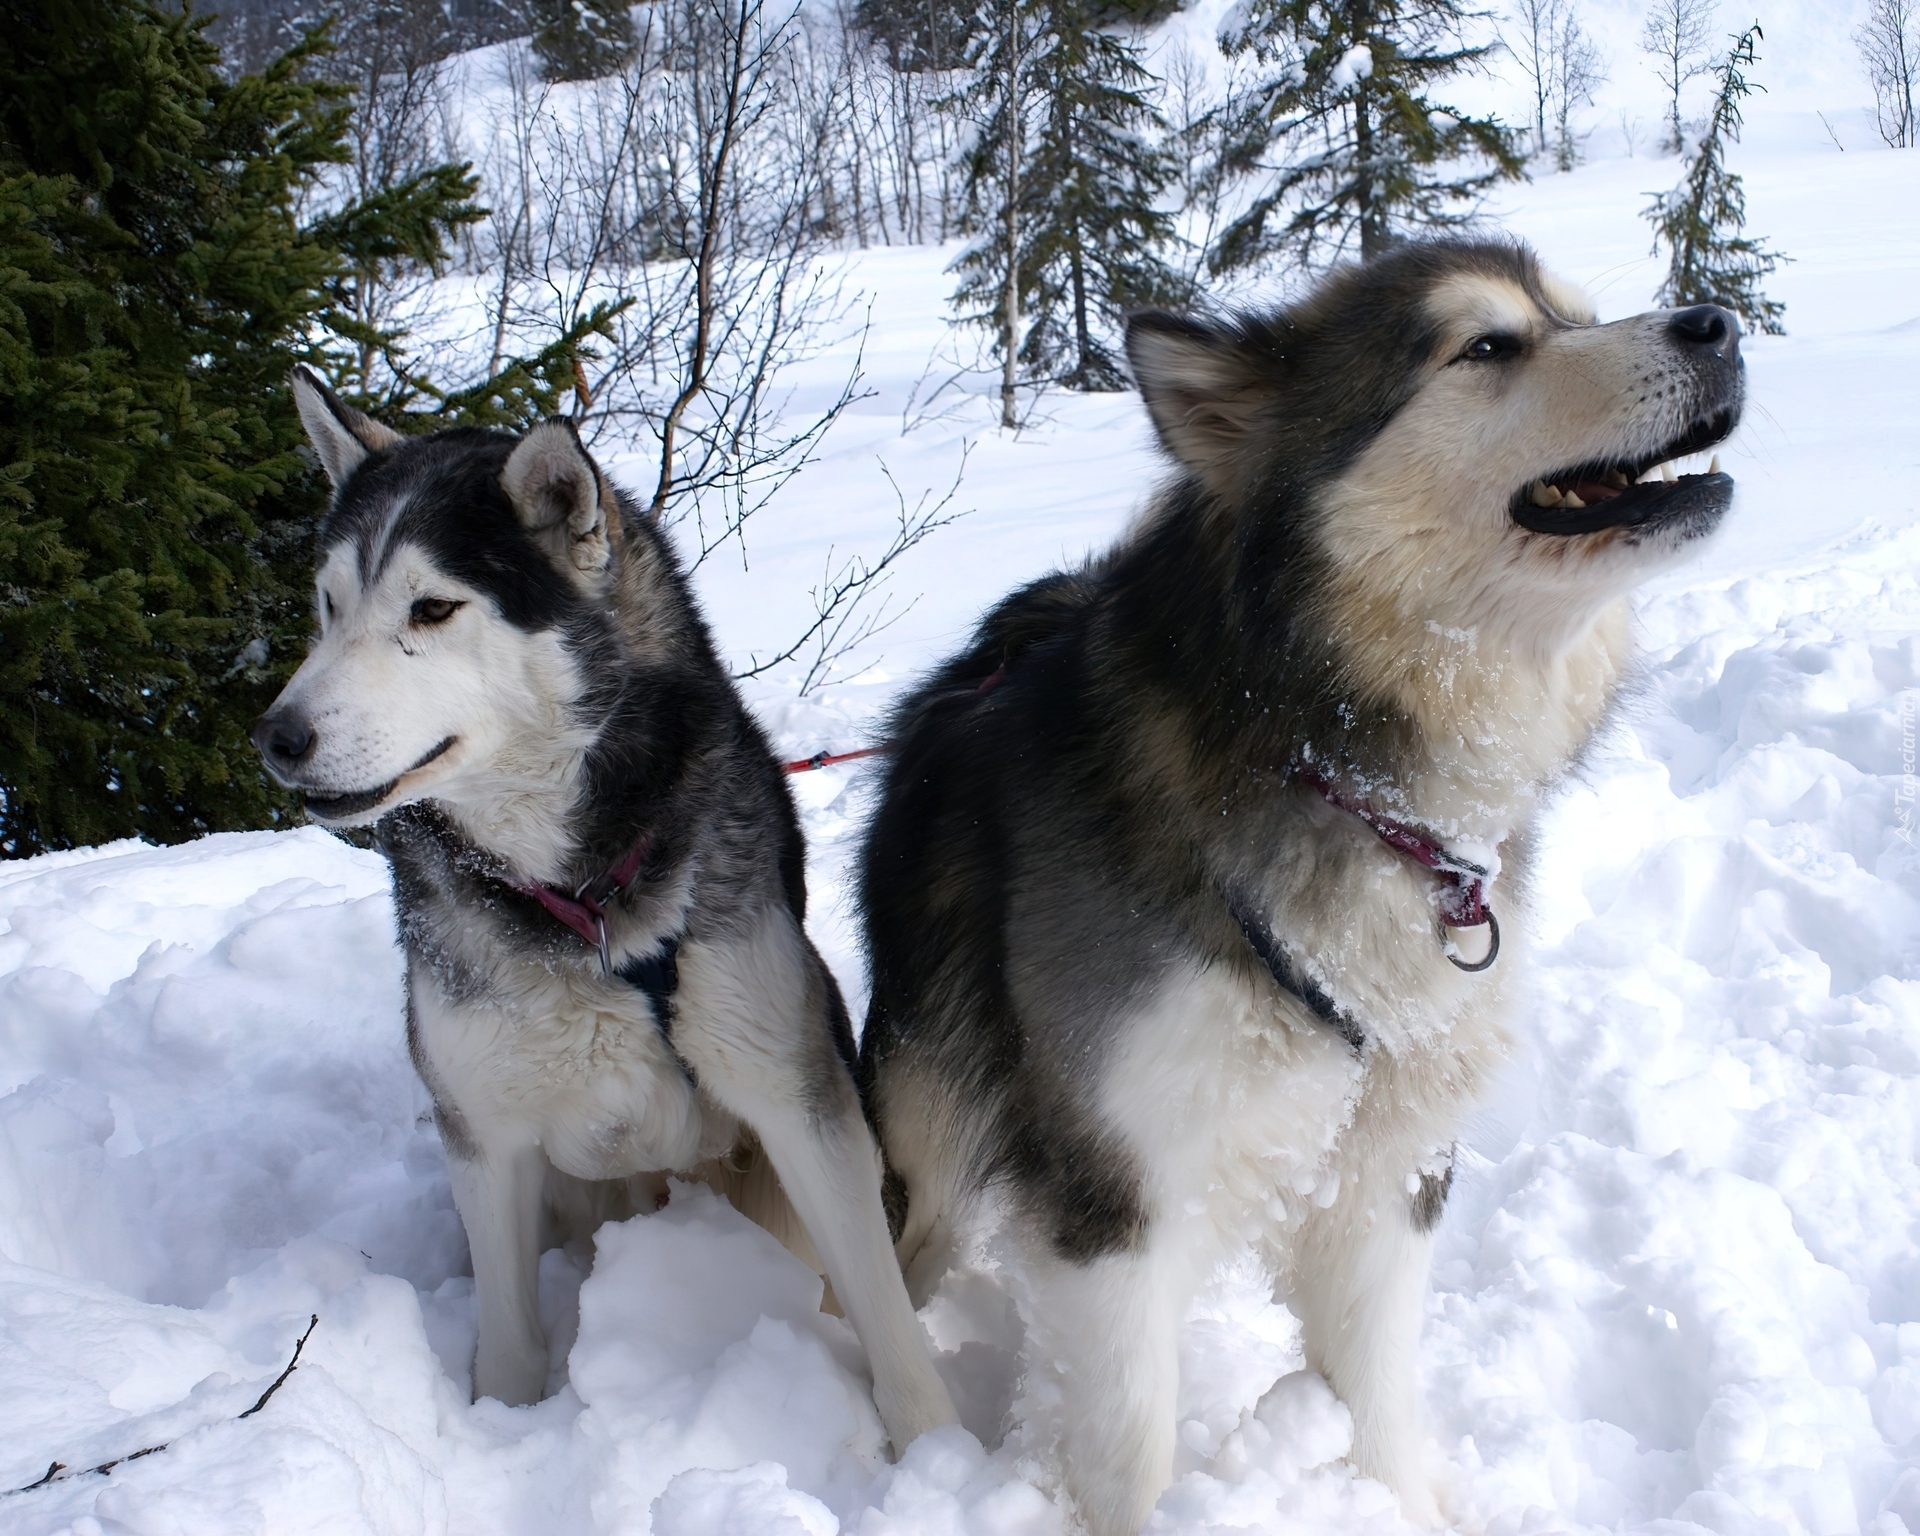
column 1419, row 1507
column 1457, row 1510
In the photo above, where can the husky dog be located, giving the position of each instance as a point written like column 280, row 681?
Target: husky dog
column 1180, row 897
column 599, row 873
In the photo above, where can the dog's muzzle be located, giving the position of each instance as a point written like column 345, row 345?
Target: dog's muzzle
column 286, row 741
column 1647, row 492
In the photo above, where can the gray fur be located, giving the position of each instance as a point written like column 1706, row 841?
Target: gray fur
column 1430, row 1199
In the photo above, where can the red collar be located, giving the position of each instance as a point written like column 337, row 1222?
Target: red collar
column 585, row 910
column 1463, row 901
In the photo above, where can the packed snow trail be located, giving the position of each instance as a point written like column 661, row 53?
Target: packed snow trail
column 1677, row 1287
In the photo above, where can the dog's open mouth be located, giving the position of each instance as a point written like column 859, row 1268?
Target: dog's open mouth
column 340, row 807
column 1630, row 493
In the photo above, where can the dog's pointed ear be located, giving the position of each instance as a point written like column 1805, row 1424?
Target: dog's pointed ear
column 1204, row 390
column 340, row 435
column 556, row 490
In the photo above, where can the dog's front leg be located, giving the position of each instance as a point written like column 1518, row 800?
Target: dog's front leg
column 497, row 1192
column 1359, row 1275
column 831, row 1171
column 1104, row 1337
column 751, row 1022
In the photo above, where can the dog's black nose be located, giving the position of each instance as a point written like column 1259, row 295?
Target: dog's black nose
column 282, row 740
column 1708, row 326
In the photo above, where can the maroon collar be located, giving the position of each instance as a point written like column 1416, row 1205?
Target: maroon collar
column 1463, row 897
column 585, row 910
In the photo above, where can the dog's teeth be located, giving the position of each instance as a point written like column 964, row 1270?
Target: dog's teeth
column 1545, row 495
column 1571, row 500
column 1714, row 467
column 1667, row 474
column 1617, row 479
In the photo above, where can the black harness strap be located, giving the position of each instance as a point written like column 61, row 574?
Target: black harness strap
column 1294, row 983
column 657, row 975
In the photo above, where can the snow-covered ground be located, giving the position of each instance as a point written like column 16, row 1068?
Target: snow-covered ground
column 1678, row 1284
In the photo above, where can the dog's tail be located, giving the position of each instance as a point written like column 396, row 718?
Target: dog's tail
column 577, row 1208
column 747, row 1178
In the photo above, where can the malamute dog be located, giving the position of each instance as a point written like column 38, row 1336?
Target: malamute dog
column 599, row 873
column 1186, row 898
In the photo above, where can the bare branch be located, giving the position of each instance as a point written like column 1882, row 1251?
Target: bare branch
column 1889, row 45
column 57, row 1471
column 843, row 620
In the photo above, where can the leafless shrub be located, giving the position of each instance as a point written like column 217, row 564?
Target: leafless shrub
column 1529, row 37
column 393, row 55
column 704, row 187
column 845, row 617
column 1889, row 46
column 1675, row 38
column 1562, row 68
column 1579, row 71
column 1197, row 112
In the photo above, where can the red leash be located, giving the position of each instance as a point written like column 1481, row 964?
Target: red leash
column 828, row 759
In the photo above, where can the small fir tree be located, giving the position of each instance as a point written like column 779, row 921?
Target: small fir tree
column 1699, row 221
column 1086, row 233
column 582, row 39
column 1368, row 155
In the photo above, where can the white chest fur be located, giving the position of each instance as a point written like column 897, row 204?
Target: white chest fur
column 1232, row 1106
column 1247, row 1113
column 571, row 1062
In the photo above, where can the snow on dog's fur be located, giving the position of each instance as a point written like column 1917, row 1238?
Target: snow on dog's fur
column 511, row 677
column 1145, row 986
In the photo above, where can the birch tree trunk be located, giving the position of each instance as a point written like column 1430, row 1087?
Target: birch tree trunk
column 1010, row 321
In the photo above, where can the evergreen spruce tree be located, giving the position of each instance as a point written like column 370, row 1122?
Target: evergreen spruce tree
column 1096, row 231
column 1699, row 222
column 1062, row 192
column 582, row 39
column 918, row 34
column 156, row 515
column 1004, row 53
column 1368, row 155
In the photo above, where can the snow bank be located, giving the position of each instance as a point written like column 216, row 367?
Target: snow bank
column 1679, row 1279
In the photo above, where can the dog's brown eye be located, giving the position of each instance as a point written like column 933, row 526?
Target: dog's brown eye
column 433, row 610
column 1484, row 349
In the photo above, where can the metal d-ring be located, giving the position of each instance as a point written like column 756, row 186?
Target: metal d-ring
column 1493, row 947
